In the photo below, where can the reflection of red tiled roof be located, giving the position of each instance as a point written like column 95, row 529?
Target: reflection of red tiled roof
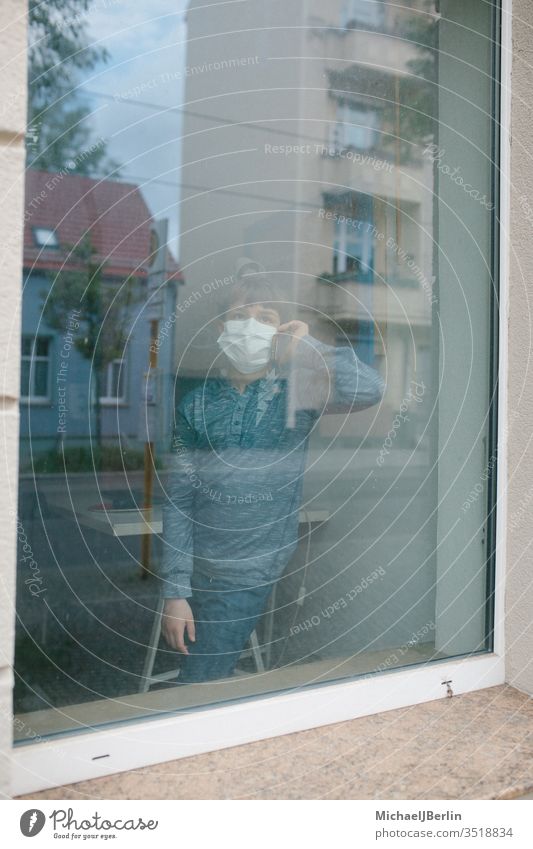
column 115, row 215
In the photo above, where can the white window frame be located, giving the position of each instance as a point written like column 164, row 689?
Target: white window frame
column 32, row 359
column 108, row 398
column 340, row 131
column 133, row 744
column 341, row 242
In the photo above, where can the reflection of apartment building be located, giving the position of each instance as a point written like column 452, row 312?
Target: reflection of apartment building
column 316, row 169
column 61, row 210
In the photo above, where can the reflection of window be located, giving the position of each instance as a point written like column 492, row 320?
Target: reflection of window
column 45, row 237
column 367, row 12
column 114, row 381
column 35, row 368
column 355, row 127
column 353, row 246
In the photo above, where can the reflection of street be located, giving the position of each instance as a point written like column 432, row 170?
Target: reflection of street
column 107, row 516
column 93, row 623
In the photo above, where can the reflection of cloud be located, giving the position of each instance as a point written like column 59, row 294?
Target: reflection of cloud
column 145, row 41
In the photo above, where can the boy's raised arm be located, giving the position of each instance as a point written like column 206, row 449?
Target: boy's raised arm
column 328, row 379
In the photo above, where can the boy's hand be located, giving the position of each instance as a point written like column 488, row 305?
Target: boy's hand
column 177, row 619
column 293, row 331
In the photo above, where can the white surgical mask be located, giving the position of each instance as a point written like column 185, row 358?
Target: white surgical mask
column 247, row 344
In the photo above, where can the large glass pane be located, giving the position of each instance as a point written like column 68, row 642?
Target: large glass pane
column 284, row 212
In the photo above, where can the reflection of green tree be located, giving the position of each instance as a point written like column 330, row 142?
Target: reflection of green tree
column 103, row 313
column 59, row 51
column 407, row 102
column 423, row 33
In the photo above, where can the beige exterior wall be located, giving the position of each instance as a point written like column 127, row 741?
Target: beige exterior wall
column 519, row 584
column 12, row 135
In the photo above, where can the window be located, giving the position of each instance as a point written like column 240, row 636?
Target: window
column 45, row 238
column 361, row 13
column 355, row 127
column 350, row 498
column 114, row 382
column 35, row 368
column 353, row 246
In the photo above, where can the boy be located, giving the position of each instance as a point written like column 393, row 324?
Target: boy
column 230, row 522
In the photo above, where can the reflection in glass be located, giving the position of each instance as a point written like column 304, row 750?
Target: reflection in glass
column 249, row 346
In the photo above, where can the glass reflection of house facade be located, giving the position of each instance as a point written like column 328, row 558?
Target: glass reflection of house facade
column 342, row 170
column 57, row 394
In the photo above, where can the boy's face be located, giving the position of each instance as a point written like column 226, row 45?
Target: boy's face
column 261, row 312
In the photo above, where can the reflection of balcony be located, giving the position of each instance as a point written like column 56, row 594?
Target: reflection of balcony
column 344, row 296
column 339, row 295
column 351, row 276
column 379, row 153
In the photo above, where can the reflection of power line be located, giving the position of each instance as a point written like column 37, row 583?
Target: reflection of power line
column 156, row 107
column 278, row 132
column 144, row 181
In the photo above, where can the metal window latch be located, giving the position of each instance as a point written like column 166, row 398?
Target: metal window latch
column 449, row 691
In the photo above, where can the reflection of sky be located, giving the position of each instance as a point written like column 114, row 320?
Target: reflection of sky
column 145, row 41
